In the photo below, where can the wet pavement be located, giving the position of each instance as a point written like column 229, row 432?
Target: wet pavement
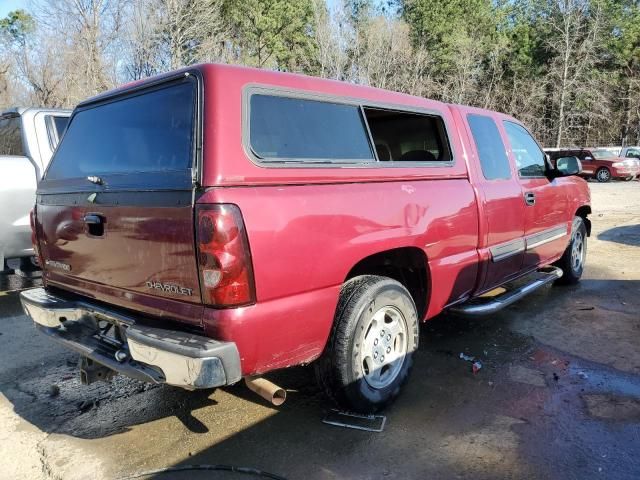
column 558, row 395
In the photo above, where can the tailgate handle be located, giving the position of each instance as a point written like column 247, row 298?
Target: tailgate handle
column 92, row 219
column 95, row 224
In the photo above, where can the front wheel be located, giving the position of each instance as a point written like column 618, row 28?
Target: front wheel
column 370, row 352
column 573, row 259
column 603, row 175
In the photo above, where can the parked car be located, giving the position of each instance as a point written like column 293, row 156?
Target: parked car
column 219, row 222
column 28, row 137
column 601, row 164
column 614, row 166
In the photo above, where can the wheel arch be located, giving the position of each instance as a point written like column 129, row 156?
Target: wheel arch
column 582, row 212
column 407, row 265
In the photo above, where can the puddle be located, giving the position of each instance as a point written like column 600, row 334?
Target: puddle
column 617, row 383
column 613, row 407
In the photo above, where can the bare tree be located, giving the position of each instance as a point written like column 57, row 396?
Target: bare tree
column 384, row 57
column 141, row 43
column 575, row 34
column 163, row 35
column 91, row 31
column 191, row 30
column 41, row 67
column 332, row 39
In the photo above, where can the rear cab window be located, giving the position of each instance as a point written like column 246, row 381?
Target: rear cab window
column 11, row 142
column 304, row 131
column 151, row 131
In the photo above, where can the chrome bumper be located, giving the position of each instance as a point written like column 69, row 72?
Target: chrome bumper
column 147, row 353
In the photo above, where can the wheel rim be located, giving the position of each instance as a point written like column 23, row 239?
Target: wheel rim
column 577, row 252
column 384, row 347
column 603, row 175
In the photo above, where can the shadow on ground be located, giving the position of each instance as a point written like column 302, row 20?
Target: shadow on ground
column 625, row 234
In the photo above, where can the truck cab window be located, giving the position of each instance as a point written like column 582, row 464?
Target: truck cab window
column 407, row 137
column 493, row 155
column 529, row 157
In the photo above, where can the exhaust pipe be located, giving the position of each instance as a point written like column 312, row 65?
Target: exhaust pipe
column 267, row 390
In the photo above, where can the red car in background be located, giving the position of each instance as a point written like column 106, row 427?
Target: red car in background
column 601, row 163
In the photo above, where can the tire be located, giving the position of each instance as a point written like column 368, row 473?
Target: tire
column 603, row 175
column 27, row 264
column 572, row 262
column 353, row 370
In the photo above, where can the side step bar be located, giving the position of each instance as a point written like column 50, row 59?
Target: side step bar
column 477, row 307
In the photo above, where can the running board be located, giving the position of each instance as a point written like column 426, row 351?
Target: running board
column 477, row 307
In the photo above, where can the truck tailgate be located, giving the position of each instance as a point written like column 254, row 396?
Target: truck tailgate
column 114, row 214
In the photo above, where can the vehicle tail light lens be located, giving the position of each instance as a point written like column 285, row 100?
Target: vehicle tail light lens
column 224, row 258
column 34, row 239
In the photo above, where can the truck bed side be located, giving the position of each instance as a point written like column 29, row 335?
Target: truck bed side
column 306, row 239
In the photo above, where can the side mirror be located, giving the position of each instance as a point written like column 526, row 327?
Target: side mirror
column 588, row 158
column 566, row 166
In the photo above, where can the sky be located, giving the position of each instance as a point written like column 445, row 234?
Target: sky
column 8, row 5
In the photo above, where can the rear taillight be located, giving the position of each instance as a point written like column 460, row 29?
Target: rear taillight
column 224, row 258
column 34, row 239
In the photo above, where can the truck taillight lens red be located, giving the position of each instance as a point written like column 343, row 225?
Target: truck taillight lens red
column 224, row 258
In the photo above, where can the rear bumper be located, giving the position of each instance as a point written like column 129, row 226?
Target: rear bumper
column 146, row 353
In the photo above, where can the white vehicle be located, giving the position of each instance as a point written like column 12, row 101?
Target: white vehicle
column 28, row 137
column 630, row 152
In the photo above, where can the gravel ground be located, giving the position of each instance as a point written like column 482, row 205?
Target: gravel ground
column 558, row 395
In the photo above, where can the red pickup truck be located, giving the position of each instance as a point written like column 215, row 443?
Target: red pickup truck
column 218, row 222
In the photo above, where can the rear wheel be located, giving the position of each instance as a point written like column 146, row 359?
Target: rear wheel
column 573, row 259
column 27, row 264
column 603, row 175
column 369, row 355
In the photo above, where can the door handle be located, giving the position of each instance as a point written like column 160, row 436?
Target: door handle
column 530, row 198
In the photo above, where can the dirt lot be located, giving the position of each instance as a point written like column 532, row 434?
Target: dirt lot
column 558, row 395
